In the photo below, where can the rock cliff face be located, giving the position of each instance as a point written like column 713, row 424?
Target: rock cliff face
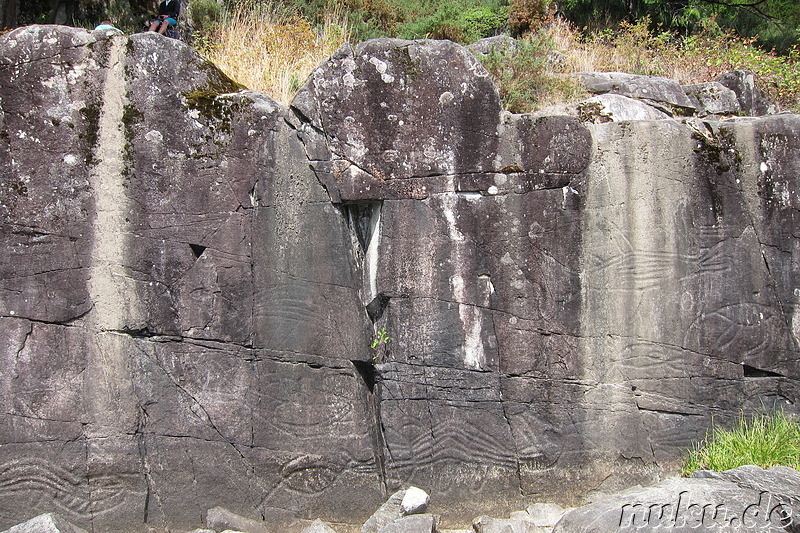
column 193, row 276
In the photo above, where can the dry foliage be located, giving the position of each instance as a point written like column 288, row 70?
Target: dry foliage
column 271, row 52
column 698, row 58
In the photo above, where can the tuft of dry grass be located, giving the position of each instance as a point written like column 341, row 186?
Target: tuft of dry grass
column 272, row 52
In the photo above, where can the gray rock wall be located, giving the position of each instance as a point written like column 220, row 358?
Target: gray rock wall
column 193, row 276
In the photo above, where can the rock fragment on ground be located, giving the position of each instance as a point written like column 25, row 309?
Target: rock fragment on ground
column 519, row 522
column 221, row 519
column 546, row 514
column 318, row 526
column 415, row 501
column 418, row 523
column 45, row 523
column 386, row 514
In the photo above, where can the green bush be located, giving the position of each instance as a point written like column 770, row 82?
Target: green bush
column 480, row 22
column 764, row 440
column 456, row 22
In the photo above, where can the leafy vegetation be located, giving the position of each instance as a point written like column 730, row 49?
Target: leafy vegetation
column 765, row 440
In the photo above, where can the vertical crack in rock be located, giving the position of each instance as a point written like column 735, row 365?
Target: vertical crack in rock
column 504, row 410
column 370, row 393
column 364, row 221
column 150, row 493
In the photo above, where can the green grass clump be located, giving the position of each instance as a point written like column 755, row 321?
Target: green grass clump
column 765, row 441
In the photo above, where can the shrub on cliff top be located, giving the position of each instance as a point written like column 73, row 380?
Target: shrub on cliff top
column 765, row 441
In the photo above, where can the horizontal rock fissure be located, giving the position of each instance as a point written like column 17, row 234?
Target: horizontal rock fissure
column 753, row 372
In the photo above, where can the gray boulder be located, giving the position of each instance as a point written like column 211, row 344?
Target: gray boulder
column 45, row 523
column 415, row 501
column 448, row 127
column 498, row 43
column 318, row 526
column 712, row 98
column 418, row 523
column 546, row 515
column 650, row 88
column 751, row 101
column 221, row 519
column 615, row 108
column 519, row 522
column 782, row 482
column 387, row 514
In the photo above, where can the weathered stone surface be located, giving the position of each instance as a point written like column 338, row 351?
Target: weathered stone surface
column 744, row 499
column 169, row 320
column 496, row 43
column 189, row 297
column 388, row 513
column 743, row 84
column 45, row 523
column 615, row 108
column 318, row 526
column 712, row 98
column 652, row 88
column 546, row 514
column 419, row 523
column 220, row 519
column 782, row 482
column 515, row 524
column 401, row 110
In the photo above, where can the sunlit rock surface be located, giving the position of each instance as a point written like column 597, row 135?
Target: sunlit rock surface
column 194, row 275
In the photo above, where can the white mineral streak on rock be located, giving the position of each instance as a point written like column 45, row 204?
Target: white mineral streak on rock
column 566, row 192
column 112, row 206
column 110, row 287
column 796, row 323
column 371, row 257
column 448, row 208
column 470, row 315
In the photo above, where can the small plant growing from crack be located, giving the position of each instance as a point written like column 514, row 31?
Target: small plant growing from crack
column 381, row 338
